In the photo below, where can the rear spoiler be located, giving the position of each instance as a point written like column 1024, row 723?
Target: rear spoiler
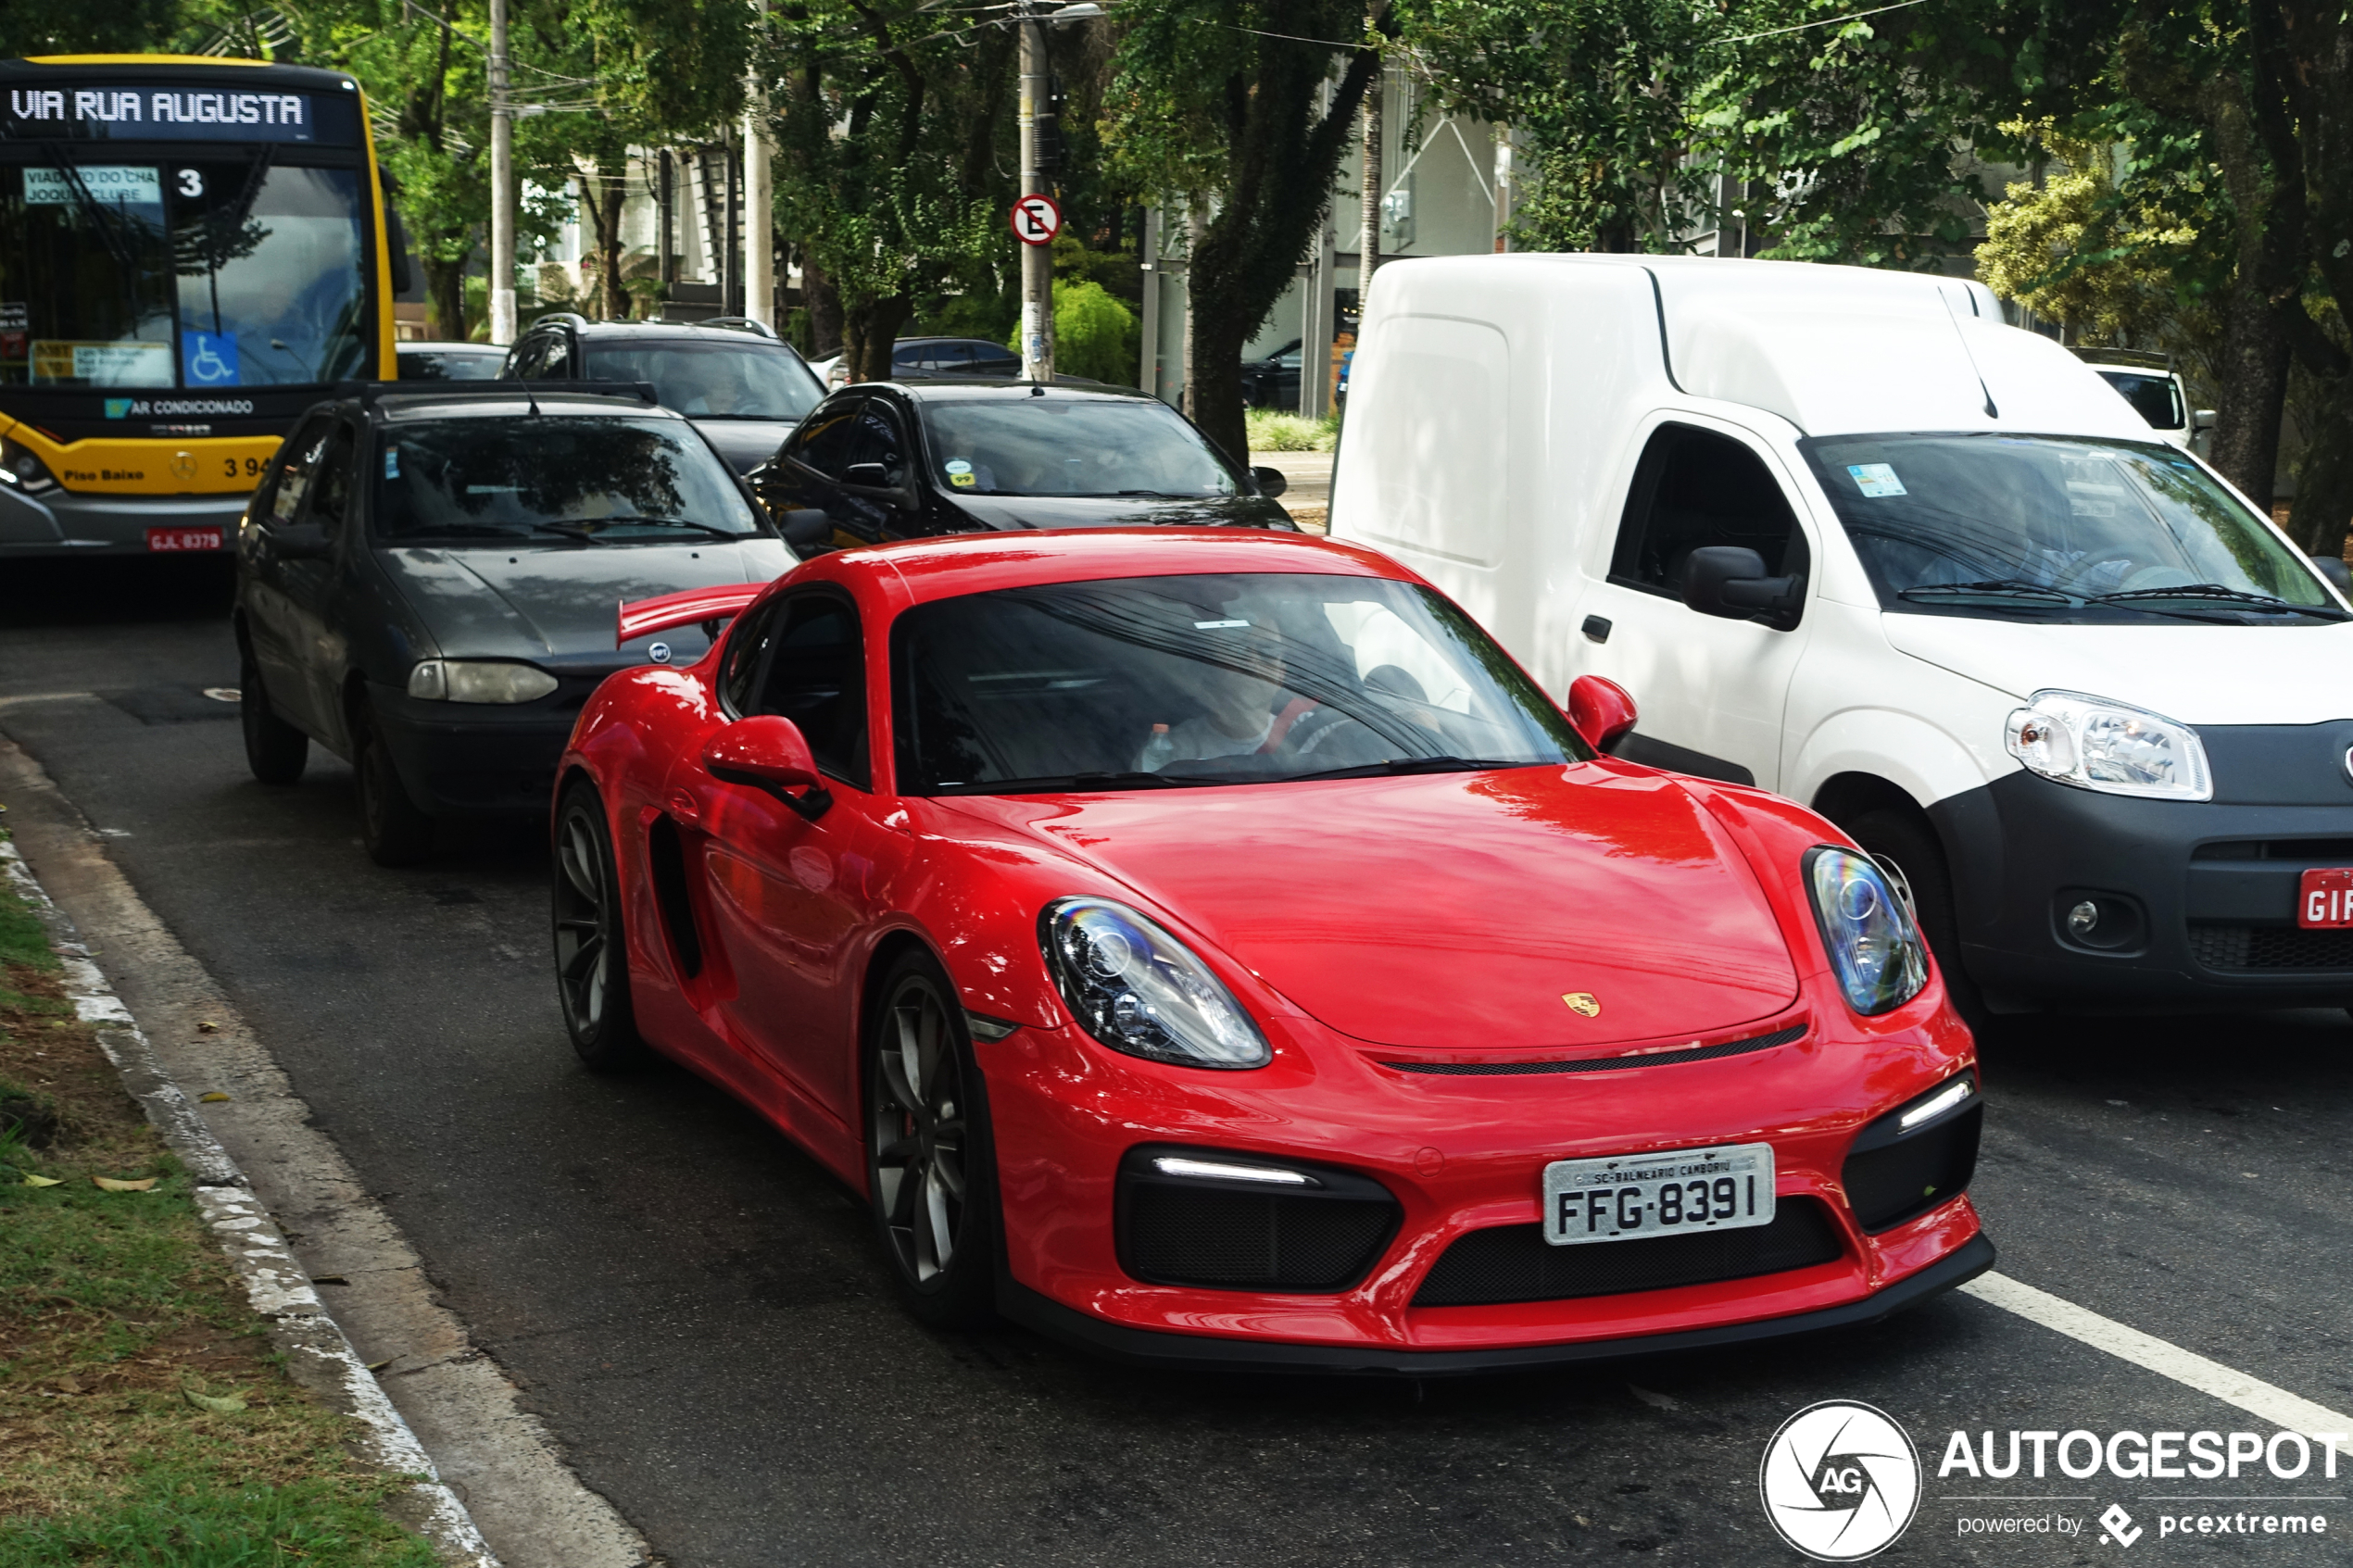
column 645, row 617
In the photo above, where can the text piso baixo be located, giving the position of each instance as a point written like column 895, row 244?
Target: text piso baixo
column 2154, row 1456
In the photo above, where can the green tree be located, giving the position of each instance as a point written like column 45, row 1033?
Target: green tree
column 92, row 27
column 1095, row 334
column 1239, row 110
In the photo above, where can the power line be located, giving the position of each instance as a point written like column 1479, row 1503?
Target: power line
column 1826, row 21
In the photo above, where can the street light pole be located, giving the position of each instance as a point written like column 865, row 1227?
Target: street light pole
column 502, row 185
column 1037, row 261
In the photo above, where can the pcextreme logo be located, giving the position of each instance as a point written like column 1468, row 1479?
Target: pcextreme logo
column 1840, row 1481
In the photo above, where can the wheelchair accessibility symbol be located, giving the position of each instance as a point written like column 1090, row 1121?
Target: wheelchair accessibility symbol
column 208, row 360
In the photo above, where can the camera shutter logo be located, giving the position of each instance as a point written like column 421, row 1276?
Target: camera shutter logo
column 1840, row 1481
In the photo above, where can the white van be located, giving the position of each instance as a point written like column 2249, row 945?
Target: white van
column 1843, row 534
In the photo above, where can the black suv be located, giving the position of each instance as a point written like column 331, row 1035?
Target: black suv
column 742, row 387
column 899, row 459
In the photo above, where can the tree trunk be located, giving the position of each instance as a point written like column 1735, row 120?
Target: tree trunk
column 2324, row 478
column 2252, row 366
column 613, row 300
column 869, row 330
column 824, row 310
column 445, row 299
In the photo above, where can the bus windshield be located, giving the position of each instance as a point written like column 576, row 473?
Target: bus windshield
column 222, row 268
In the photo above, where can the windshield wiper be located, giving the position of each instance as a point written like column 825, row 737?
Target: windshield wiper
column 2217, row 591
column 569, row 529
column 1045, row 784
column 715, row 532
column 1991, row 588
column 1401, row 765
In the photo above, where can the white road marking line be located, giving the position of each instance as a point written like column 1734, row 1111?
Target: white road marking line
column 2275, row 1405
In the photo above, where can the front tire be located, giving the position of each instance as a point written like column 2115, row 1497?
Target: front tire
column 930, row 1164
column 592, row 954
column 275, row 750
column 391, row 827
column 1905, row 847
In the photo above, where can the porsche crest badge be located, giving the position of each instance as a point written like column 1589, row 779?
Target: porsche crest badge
column 1582, row 1003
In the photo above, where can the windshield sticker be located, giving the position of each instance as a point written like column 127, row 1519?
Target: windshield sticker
column 962, row 481
column 1876, row 479
column 209, row 359
column 108, row 184
column 1218, row 625
column 392, row 462
column 958, row 465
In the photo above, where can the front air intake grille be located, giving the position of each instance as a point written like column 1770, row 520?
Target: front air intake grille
column 1515, row 1263
column 1226, row 1235
column 2270, row 948
column 1893, row 1175
column 1790, row 1036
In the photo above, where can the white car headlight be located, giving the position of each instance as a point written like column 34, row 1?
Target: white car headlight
column 1139, row 990
column 467, row 680
column 2096, row 744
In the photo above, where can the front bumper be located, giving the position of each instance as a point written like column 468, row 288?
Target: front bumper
column 459, row 759
column 2197, row 897
column 1460, row 1155
column 60, row 522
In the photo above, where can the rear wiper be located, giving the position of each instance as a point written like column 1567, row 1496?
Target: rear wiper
column 1992, row 587
column 2217, row 591
column 1398, row 765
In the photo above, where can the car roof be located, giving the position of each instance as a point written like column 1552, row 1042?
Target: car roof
column 952, row 565
column 942, row 389
column 676, row 332
column 419, row 345
column 507, row 401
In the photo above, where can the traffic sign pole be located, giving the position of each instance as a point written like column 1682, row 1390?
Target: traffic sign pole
column 1037, row 260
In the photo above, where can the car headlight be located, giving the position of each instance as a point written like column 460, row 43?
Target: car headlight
column 2095, row 744
column 21, row 468
column 1137, row 989
column 469, row 680
column 1874, row 947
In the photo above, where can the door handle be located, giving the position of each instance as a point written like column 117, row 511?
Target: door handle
column 1596, row 629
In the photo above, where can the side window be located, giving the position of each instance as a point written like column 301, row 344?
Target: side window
column 879, row 441
column 817, row 678
column 331, row 482
column 826, row 442
column 297, row 460
column 1695, row 488
column 746, row 640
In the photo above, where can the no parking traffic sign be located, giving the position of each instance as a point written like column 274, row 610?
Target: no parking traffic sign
column 1036, row 220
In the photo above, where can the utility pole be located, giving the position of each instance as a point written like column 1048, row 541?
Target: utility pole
column 1037, row 261
column 760, row 203
column 502, row 185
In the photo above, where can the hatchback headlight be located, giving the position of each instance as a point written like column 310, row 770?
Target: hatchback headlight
column 2095, row 744
column 472, row 679
column 1137, row 989
column 1874, row 947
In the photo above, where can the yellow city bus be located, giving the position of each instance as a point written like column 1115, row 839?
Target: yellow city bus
column 192, row 250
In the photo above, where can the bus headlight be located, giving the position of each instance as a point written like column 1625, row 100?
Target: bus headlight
column 22, row 470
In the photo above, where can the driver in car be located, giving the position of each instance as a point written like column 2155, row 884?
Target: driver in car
column 1237, row 692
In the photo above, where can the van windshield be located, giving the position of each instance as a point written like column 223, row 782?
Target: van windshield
column 2058, row 528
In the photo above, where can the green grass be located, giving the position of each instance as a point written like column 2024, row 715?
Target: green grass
column 113, row 1307
column 1274, row 431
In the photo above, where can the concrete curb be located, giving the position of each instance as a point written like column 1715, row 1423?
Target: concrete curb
column 317, row 1355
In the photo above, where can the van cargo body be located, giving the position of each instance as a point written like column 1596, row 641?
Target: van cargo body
column 1845, row 536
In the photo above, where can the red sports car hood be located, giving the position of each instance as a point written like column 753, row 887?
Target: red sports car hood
column 1453, row 911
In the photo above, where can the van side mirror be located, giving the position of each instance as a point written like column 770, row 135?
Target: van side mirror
column 807, row 530
column 1602, row 712
column 2340, row 576
column 2202, row 420
column 1729, row 581
column 768, row 752
column 1271, row 482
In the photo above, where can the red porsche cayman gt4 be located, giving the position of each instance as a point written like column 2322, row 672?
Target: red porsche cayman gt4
column 1212, row 950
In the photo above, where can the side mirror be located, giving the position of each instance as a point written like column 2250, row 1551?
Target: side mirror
column 1729, row 581
column 1270, row 482
column 770, row 753
column 1600, row 711
column 806, row 532
column 873, row 476
column 2340, row 576
column 301, row 541
column 2202, row 420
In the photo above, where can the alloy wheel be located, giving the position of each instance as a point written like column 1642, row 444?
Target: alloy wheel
column 919, row 1132
column 584, row 956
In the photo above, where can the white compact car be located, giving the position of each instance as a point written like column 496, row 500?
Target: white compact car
column 1843, row 534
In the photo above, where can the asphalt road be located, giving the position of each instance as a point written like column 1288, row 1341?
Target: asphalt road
column 696, row 1311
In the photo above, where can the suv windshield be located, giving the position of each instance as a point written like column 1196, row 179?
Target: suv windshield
column 2058, row 528
column 202, row 271
column 1025, row 445
column 1153, row 682
column 599, row 481
column 717, row 381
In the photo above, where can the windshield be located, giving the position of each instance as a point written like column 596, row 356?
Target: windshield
column 600, row 480
column 209, row 271
column 2053, row 527
column 725, row 381
column 1146, row 683
column 1025, row 445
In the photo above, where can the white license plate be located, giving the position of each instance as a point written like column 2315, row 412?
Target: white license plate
column 1621, row 1197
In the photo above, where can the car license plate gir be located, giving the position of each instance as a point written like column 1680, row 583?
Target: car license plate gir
column 1622, row 1197
column 2324, row 900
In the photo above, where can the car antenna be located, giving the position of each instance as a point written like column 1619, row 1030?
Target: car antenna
column 528, row 395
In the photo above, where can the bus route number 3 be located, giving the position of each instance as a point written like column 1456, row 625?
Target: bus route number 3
column 190, row 182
